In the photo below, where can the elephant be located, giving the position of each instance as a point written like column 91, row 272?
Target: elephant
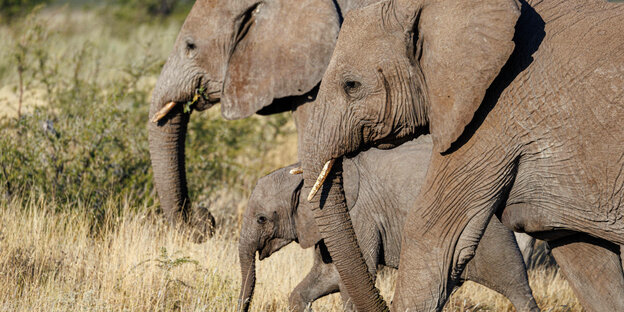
column 524, row 104
column 526, row 244
column 252, row 57
column 378, row 204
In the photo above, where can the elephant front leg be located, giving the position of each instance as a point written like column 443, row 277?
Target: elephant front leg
column 592, row 267
column 444, row 228
column 323, row 279
column 432, row 261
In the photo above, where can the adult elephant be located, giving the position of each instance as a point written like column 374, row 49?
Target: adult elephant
column 524, row 102
column 252, row 57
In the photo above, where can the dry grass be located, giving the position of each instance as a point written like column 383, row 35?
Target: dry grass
column 56, row 261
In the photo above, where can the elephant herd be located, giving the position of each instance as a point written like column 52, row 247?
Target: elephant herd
column 428, row 132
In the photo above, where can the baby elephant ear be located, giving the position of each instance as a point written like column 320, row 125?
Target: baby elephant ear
column 282, row 50
column 464, row 46
column 307, row 231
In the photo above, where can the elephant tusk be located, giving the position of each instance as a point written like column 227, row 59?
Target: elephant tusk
column 164, row 111
column 321, row 178
column 296, row 170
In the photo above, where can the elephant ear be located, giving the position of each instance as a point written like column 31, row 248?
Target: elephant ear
column 464, row 45
column 307, row 232
column 283, row 51
column 351, row 181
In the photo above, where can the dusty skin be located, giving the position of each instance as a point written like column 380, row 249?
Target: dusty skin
column 523, row 101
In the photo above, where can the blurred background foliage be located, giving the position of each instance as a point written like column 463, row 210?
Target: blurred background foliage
column 144, row 10
column 75, row 84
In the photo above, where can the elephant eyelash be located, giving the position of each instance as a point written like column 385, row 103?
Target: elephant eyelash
column 247, row 19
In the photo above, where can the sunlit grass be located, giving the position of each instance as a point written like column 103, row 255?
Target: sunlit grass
column 56, row 261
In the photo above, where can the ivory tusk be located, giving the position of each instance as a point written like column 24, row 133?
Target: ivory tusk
column 296, row 170
column 321, row 178
column 163, row 111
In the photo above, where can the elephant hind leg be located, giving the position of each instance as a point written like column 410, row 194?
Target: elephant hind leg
column 593, row 269
column 498, row 265
column 323, row 279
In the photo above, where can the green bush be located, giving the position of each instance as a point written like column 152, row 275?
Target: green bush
column 87, row 141
column 10, row 9
column 145, row 10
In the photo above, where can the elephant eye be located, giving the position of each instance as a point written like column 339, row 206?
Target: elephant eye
column 351, row 87
column 262, row 219
column 190, row 47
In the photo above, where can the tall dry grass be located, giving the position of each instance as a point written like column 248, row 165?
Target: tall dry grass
column 57, row 261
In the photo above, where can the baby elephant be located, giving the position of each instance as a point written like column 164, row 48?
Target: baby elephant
column 379, row 186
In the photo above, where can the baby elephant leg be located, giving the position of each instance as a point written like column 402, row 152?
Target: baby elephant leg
column 498, row 265
column 592, row 267
column 526, row 244
column 323, row 279
column 346, row 300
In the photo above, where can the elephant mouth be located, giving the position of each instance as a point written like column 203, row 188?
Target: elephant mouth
column 273, row 246
column 205, row 96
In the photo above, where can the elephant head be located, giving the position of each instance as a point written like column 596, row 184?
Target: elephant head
column 271, row 221
column 400, row 69
column 250, row 56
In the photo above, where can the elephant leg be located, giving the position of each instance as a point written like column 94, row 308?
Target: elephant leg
column 443, row 230
column 593, row 268
column 498, row 265
column 622, row 258
column 323, row 279
column 348, row 305
column 526, row 244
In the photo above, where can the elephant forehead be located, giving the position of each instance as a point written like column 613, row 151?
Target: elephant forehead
column 366, row 35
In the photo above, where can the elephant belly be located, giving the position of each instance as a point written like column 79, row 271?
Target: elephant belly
column 554, row 211
column 525, row 218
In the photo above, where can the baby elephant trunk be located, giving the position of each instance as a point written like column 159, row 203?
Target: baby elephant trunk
column 247, row 257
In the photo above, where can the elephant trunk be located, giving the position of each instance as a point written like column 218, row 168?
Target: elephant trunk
column 247, row 257
column 179, row 82
column 167, row 134
column 166, row 144
column 334, row 223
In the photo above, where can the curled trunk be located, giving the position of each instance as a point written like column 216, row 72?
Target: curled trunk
column 334, row 222
column 247, row 257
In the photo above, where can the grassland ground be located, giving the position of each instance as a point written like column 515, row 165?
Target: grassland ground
column 80, row 228
column 57, row 261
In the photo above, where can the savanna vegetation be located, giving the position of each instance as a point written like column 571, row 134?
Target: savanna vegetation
column 79, row 222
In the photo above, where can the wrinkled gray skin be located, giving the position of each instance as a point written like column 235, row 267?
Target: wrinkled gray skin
column 375, row 186
column 252, row 57
column 524, row 105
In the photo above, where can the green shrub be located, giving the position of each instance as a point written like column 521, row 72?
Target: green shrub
column 87, row 141
column 10, row 9
column 146, row 10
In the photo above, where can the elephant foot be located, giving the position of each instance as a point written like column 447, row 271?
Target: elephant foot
column 297, row 303
column 200, row 225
